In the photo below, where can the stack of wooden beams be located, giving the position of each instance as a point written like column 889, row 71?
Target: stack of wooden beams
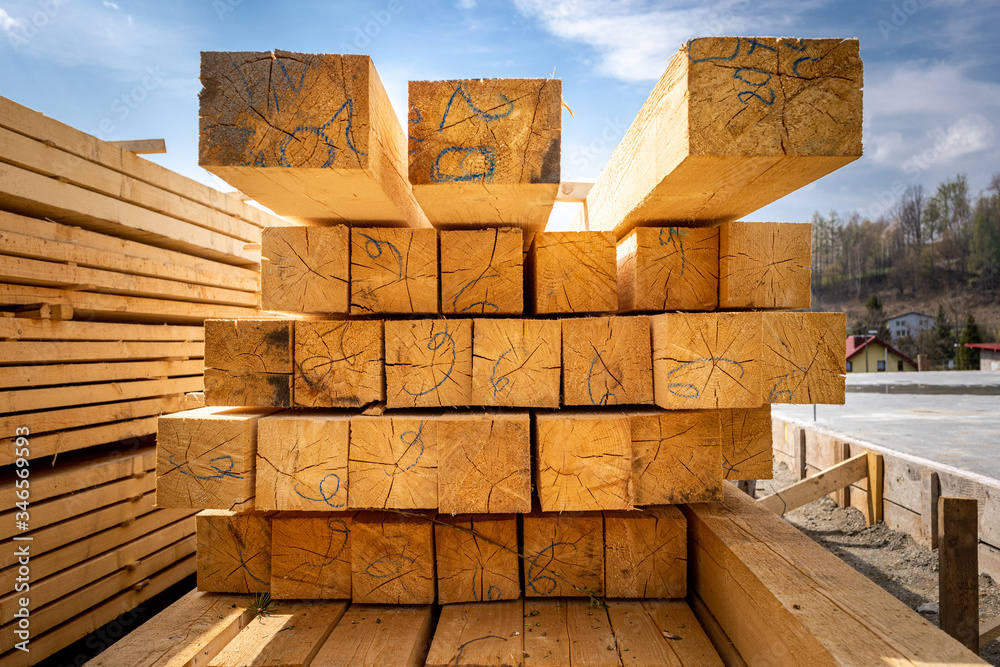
column 476, row 409
column 109, row 264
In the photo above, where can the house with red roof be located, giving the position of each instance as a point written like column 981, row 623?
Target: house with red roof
column 871, row 354
column 989, row 355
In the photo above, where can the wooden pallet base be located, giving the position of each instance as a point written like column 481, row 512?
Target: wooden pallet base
column 215, row 629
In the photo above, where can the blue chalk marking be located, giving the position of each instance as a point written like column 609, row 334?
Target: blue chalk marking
column 776, row 394
column 416, row 440
column 603, row 400
column 728, row 466
column 488, row 154
column 488, row 117
column 246, row 84
column 324, row 496
column 484, row 304
column 803, row 59
column 419, row 116
column 438, row 340
column 676, row 236
column 492, row 593
column 336, row 526
column 321, row 135
column 220, row 472
column 754, row 44
column 373, row 247
column 392, row 564
column 501, row 383
column 688, row 390
column 744, row 96
column 245, row 567
column 550, row 582
column 795, row 47
column 735, row 53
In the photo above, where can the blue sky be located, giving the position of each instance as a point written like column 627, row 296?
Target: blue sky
column 129, row 69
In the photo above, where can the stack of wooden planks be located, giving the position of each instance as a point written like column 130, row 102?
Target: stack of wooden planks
column 109, row 265
column 460, row 407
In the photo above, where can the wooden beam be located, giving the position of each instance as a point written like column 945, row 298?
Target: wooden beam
column 249, row 345
column 989, row 630
column 645, row 553
column 484, row 463
column 668, row 268
column 516, row 363
column 764, row 265
column 311, row 137
column 482, row 272
column 707, row 360
column 720, row 640
column 394, row 271
column 479, row 634
column 803, row 361
column 875, row 488
column 747, row 452
column 305, row 269
column 90, row 351
column 21, row 329
column 390, row 635
column 607, row 361
column 338, row 364
column 428, row 363
column 392, row 559
column 564, row 554
column 958, row 569
column 930, row 491
column 583, row 461
column 80, row 472
column 676, row 456
column 817, row 486
column 45, row 398
column 302, row 461
column 485, row 151
column 470, row 565
column 291, row 635
column 570, row 191
column 142, row 146
column 393, row 463
column 709, row 147
column 573, row 272
column 567, row 631
column 247, row 389
column 800, row 453
column 779, row 596
column 234, row 552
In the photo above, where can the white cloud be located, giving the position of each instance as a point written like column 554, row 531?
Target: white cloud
column 8, row 22
column 636, row 38
column 466, row 4
column 885, row 148
column 918, row 87
column 110, row 5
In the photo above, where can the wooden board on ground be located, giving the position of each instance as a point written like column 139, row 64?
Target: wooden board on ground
column 733, row 124
column 676, row 456
column 311, row 137
column 746, row 443
column 485, row 151
column 668, row 268
column 516, row 363
column 234, row 552
column 707, row 360
column 484, row 463
column 660, row 632
column 428, row 363
column 305, row 269
column 645, row 553
column 479, row 634
column 477, row 558
column 607, row 361
column 338, row 364
column 289, row 636
column 803, row 359
column 379, row 636
column 564, row 554
column 482, row 272
column 392, row 559
column 393, row 462
column 583, row 461
column 570, row 631
column 573, row 272
column 302, row 461
column 394, row 271
column 765, row 265
column 206, row 458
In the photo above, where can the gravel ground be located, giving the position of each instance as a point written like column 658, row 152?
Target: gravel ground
column 891, row 559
